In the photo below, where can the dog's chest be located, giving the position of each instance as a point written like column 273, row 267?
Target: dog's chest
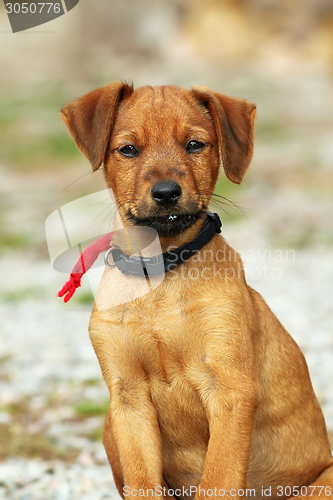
column 156, row 320
column 160, row 334
column 157, row 333
column 163, row 344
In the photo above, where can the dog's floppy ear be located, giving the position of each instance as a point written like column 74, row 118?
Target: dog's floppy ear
column 90, row 119
column 234, row 121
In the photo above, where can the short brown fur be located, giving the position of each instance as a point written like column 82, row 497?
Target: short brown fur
column 206, row 386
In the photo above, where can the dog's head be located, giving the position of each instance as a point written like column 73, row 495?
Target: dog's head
column 162, row 148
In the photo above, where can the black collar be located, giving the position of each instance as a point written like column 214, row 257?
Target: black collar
column 153, row 266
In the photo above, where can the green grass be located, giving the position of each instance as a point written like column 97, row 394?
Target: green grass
column 96, row 434
column 88, row 381
column 15, row 438
column 62, row 146
column 20, row 294
column 5, row 358
column 305, row 238
column 32, row 135
column 35, row 150
column 14, row 240
column 272, row 131
column 90, row 408
column 83, row 297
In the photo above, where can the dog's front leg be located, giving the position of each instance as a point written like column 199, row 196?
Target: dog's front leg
column 231, row 416
column 136, row 435
column 131, row 434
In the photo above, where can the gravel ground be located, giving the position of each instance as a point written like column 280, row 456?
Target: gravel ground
column 48, row 370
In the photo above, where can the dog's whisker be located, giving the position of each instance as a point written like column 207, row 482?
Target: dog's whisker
column 76, row 180
column 104, row 201
column 111, row 208
column 224, row 206
column 217, row 205
column 221, row 202
column 226, row 201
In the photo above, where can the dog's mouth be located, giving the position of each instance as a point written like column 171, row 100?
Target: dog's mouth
column 168, row 225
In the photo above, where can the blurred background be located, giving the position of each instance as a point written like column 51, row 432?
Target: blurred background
column 277, row 54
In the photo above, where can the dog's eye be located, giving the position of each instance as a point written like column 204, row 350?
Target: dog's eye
column 194, row 146
column 129, row 150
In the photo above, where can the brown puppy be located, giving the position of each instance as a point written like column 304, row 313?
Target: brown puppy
column 210, row 396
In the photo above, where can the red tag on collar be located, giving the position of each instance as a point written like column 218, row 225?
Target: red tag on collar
column 87, row 258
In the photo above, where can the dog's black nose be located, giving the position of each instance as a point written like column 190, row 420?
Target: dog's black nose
column 166, row 193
